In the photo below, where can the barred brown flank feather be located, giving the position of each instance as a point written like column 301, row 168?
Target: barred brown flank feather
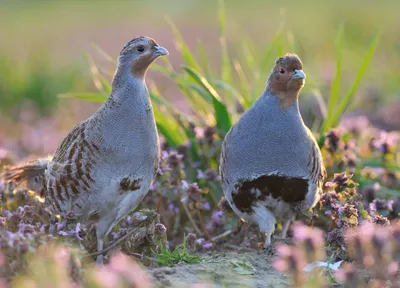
column 96, row 147
column 72, row 151
column 72, row 178
column 43, row 188
column 89, row 177
column 288, row 189
column 84, row 181
column 74, row 189
column 59, row 192
column 127, row 184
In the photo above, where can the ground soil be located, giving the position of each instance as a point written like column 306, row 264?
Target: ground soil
column 225, row 269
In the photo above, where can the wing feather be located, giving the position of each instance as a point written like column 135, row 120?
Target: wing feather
column 69, row 174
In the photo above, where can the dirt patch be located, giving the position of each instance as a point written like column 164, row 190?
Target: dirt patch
column 226, row 269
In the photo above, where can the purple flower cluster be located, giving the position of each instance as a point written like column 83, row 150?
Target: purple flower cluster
column 309, row 247
column 375, row 249
column 363, row 183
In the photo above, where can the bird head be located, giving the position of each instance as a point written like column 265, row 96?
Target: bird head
column 287, row 79
column 139, row 54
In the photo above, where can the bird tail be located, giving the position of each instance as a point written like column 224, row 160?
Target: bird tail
column 30, row 175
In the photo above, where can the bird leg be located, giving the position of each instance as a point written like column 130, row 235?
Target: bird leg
column 99, row 259
column 245, row 226
column 52, row 228
column 285, row 228
column 267, row 240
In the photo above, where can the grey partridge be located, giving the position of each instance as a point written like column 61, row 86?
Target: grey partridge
column 104, row 167
column 271, row 166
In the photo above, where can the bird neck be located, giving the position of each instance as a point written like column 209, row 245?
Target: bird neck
column 287, row 98
column 125, row 85
column 276, row 103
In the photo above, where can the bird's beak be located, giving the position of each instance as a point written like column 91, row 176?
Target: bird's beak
column 299, row 74
column 160, row 51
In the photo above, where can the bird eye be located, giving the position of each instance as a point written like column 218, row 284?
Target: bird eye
column 282, row 71
column 140, row 48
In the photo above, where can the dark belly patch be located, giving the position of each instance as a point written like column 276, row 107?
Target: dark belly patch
column 130, row 184
column 287, row 189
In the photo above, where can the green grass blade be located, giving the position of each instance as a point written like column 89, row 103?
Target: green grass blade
column 335, row 89
column 268, row 59
column 104, row 54
column 248, row 56
column 227, row 87
column 244, row 82
column 186, row 54
column 172, row 135
column 226, row 68
column 267, row 63
column 360, row 75
column 203, row 59
column 166, row 123
column 99, row 81
column 90, row 97
column 198, row 105
column 221, row 112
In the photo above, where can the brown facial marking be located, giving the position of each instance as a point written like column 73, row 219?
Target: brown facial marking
column 288, row 189
column 144, row 60
column 140, row 67
column 127, row 184
column 281, row 84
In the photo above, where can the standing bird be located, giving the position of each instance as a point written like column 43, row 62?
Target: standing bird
column 104, row 167
column 271, row 166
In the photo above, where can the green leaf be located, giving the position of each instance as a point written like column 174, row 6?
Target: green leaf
column 90, row 97
column 244, row 82
column 335, row 88
column 187, row 55
column 104, row 54
column 244, row 101
column 221, row 112
column 166, row 124
column 226, row 63
column 243, row 268
column 360, row 75
column 99, row 81
column 203, row 58
column 267, row 62
column 168, row 258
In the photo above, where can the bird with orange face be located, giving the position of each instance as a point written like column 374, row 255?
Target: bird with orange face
column 271, row 166
column 104, row 167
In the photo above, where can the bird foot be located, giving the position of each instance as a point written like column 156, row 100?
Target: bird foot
column 280, row 236
column 269, row 249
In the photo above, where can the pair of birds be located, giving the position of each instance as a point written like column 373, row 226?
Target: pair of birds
column 271, row 166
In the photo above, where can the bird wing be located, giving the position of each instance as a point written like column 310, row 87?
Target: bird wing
column 315, row 165
column 69, row 173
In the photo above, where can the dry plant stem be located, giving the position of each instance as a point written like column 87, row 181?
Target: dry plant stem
column 160, row 204
column 221, row 236
column 115, row 244
column 40, row 217
column 198, row 231
column 214, row 199
column 205, row 231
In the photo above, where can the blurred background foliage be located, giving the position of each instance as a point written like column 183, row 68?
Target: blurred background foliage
column 44, row 44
